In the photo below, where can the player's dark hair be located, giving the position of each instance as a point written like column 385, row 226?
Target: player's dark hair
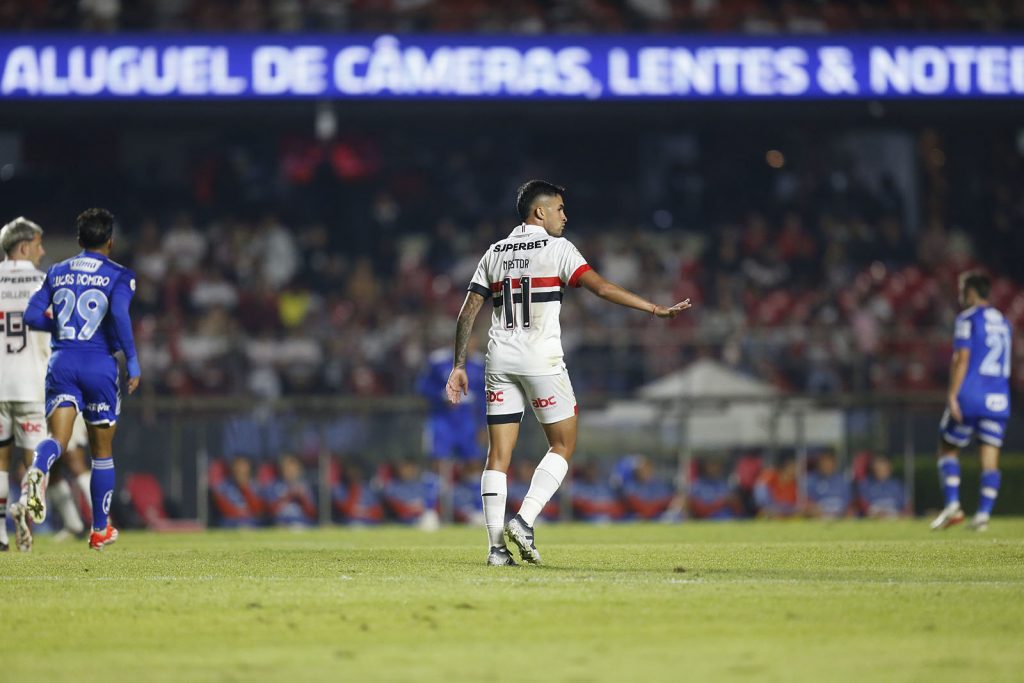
column 95, row 227
column 530, row 191
column 979, row 282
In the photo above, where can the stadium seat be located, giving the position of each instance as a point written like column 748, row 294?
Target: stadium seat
column 147, row 499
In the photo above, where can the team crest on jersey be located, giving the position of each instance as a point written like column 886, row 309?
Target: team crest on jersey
column 85, row 264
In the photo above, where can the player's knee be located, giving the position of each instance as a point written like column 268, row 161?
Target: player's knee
column 563, row 448
column 562, row 442
column 498, row 460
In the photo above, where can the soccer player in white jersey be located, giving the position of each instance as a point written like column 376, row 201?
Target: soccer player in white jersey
column 24, row 354
column 525, row 274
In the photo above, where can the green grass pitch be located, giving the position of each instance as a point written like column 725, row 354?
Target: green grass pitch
column 796, row 601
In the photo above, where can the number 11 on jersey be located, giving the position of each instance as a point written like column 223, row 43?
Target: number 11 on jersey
column 508, row 302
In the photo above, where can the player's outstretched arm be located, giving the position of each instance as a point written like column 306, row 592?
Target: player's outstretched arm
column 458, row 381
column 609, row 291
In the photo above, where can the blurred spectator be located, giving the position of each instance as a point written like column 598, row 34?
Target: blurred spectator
column 880, row 495
column 593, row 498
column 775, row 493
column 645, row 494
column 354, row 500
column 290, row 500
column 828, row 491
column 235, row 498
column 410, row 495
column 711, row 494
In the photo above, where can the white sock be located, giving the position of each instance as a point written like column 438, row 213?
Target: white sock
column 546, row 479
column 494, row 492
column 60, row 493
column 84, row 480
column 5, row 490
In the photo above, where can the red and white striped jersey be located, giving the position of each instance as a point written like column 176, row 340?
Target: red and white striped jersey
column 525, row 274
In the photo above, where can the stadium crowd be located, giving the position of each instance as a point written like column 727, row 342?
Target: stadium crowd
column 248, row 494
column 534, row 17
column 335, row 268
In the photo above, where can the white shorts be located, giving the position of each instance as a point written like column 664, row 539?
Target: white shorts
column 22, row 421
column 551, row 396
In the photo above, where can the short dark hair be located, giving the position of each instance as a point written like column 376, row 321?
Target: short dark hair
column 977, row 281
column 95, row 227
column 530, row 191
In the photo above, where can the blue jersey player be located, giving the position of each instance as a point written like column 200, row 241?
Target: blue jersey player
column 452, row 431
column 89, row 295
column 978, row 401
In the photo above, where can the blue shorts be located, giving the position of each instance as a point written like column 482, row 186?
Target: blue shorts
column 442, row 441
column 990, row 430
column 88, row 381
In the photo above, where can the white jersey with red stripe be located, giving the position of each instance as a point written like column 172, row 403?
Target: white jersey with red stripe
column 525, row 274
column 24, row 353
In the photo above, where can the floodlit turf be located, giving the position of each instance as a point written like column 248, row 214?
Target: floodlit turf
column 799, row 601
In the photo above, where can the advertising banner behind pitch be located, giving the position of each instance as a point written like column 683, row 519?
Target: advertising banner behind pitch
column 483, row 67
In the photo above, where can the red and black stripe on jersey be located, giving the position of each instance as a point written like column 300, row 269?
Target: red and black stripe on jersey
column 529, row 284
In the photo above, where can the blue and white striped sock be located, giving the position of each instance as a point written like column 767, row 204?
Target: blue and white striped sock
column 46, row 454
column 990, row 480
column 949, row 478
column 101, row 486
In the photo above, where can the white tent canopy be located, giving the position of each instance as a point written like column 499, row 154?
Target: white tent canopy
column 705, row 379
column 655, row 418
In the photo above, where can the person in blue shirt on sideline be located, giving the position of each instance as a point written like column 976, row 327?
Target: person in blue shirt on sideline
column 882, row 496
column 411, row 495
column 645, row 494
column 593, row 498
column 828, row 491
column 453, row 431
column 978, row 400
column 90, row 296
column 711, row 494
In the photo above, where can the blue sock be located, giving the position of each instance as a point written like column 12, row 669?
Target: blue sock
column 949, row 478
column 101, row 486
column 989, row 490
column 46, row 454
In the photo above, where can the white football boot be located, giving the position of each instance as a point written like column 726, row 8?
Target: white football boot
column 950, row 515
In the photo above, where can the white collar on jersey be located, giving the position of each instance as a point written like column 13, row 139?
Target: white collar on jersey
column 528, row 228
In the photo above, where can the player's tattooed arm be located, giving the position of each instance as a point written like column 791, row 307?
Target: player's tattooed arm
column 464, row 328
column 458, row 380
